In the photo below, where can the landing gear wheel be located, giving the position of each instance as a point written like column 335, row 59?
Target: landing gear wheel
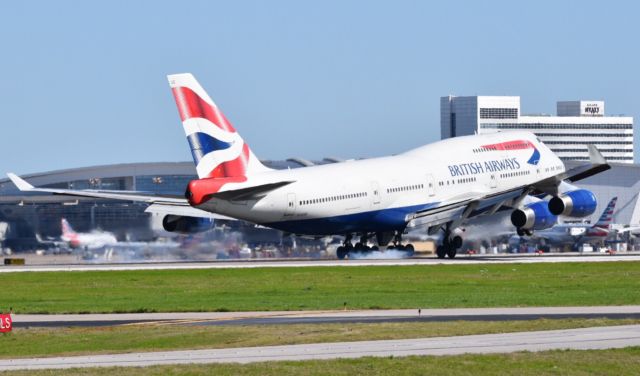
column 342, row 252
column 441, row 252
column 522, row 232
column 456, row 242
column 451, row 252
column 409, row 250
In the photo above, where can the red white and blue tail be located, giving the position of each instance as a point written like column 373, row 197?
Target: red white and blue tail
column 218, row 150
column 67, row 230
column 601, row 228
column 607, row 215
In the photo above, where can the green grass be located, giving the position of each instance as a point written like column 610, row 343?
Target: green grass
column 313, row 288
column 40, row 342
column 592, row 362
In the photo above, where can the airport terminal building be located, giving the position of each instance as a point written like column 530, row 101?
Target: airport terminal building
column 576, row 124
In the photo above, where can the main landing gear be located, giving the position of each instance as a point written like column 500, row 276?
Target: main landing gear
column 383, row 239
column 397, row 245
column 450, row 245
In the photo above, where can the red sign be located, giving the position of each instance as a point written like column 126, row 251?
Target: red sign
column 5, row 323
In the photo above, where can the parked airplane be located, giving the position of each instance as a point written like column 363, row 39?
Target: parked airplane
column 88, row 240
column 95, row 240
column 439, row 186
column 576, row 234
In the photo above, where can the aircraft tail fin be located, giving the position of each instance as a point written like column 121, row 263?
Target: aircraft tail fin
column 607, row 215
column 218, row 150
column 66, row 228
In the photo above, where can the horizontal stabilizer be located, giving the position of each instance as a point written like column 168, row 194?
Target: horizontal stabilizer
column 250, row 193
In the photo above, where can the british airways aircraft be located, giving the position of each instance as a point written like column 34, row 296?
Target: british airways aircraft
column 439, row 186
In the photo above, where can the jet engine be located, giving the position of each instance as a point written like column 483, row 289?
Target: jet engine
column 534, row 216
column 579, row 203
column 186, row 225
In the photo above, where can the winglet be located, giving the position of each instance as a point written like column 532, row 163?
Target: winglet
column 595, row 157
column 19, row 182
column 597, row 164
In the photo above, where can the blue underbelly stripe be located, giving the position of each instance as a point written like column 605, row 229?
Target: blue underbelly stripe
column 371, row 221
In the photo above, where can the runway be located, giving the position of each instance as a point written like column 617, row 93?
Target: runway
column 321, row 317
column 282, row 263
column 577, row 339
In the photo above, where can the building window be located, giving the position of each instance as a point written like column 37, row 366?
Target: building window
column 498, row 113
column 453, row 125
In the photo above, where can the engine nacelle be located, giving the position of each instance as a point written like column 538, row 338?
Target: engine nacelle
column 534, row 216
column 186, row 225
column 579, row 203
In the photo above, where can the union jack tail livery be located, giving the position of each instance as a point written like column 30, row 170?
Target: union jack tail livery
column 218, row 150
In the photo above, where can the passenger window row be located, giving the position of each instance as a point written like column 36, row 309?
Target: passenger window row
column 483, row 149
column 333, row 198
column 553, row 168
column 405, row 188
column 467, row 180
column 516, row 173
column 460, row 181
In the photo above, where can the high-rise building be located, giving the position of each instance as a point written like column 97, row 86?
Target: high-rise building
column 577, row 124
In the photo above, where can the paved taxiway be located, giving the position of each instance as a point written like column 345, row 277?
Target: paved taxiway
column 461, row 260
column 578, row 339
column 316, row 317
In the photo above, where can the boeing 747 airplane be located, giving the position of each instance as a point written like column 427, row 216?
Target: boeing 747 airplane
column 439, row 186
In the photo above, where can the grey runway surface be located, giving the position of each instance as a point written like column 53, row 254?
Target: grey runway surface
column 460, row 260
column 577, row 339
column 319, row 317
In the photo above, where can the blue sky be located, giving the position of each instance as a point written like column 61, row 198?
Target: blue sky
column 84, row 82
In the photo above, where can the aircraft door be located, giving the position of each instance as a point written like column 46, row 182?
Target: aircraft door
column 493, row 183
column 291, row 204
column 431, row 186
column 375, row 188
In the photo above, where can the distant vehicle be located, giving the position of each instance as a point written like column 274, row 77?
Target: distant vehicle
column 438, row 186
column 88, row 240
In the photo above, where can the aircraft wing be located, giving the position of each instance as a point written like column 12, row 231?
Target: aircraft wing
column 163, row 204
column 483, row 203
column 458, row 212
column 628, row 229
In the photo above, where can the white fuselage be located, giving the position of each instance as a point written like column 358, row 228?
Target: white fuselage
column 93, row 240
column 377, row 194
